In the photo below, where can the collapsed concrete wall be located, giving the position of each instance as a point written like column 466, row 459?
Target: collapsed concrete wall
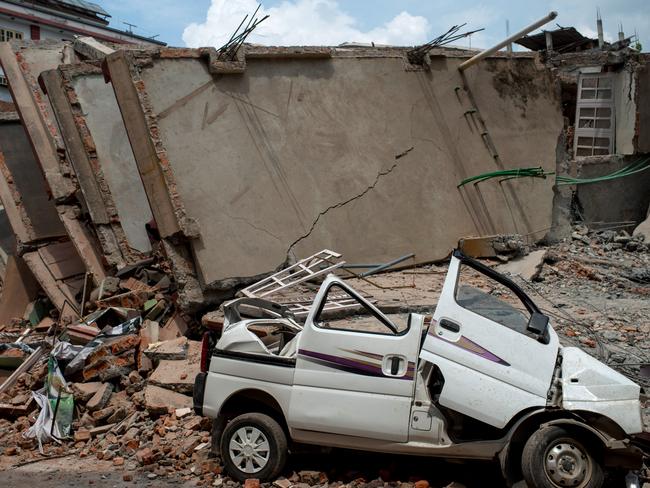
column 99, row 150
column 23, row 189
column 356, row 150
column 58, row 263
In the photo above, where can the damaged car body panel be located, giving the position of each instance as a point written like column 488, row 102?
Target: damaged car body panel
column 475, row 381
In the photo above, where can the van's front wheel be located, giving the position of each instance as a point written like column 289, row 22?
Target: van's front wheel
column 554, row 458
column 253, row 445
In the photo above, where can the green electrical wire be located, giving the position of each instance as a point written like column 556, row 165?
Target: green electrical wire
column 538, row 172
column 508, row 173
column 636, row 167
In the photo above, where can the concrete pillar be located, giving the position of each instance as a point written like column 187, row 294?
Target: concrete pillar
column 549, row 41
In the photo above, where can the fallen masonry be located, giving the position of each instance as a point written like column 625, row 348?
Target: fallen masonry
column 134, row 207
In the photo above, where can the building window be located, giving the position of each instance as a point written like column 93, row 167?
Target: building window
column 8, row 35
column 594, row 133
column 3, row 80
column 35, row 32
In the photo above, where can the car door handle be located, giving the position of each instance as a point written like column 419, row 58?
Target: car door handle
column 394, row 365
column 449, row 325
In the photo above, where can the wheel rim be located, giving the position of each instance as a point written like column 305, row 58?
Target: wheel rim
column 249, row 449
column 567, row 465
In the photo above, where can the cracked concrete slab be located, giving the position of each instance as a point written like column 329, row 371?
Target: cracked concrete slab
column 294, row 155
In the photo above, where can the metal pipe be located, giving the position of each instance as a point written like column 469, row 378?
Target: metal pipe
column 361, row 266
column 386, row 265
column 483, row 54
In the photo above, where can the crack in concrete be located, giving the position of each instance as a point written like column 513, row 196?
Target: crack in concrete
column 380, row 174
column 250, row 224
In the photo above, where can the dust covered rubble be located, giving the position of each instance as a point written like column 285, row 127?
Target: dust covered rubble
column 132, row 403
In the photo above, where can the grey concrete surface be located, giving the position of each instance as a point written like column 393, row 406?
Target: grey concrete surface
column 115, row 157
column 298, row 155
column 29, row 181
column 615, row 201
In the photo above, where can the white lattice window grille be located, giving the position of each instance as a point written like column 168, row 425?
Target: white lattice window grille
column 594, row 133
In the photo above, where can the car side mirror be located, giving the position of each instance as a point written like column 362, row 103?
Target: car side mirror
column 537, row 324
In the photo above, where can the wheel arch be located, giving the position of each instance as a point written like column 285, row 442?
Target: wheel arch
column 606, row 434
column 252, row 400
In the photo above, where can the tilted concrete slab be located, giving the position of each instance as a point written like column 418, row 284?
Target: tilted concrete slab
column 99, row 149
column 22, row 63
column 360, row 152
column 23, row 190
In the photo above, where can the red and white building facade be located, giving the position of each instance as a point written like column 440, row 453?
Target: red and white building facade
column 60, row 20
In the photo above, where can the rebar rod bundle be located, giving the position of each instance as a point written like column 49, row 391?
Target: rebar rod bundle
column 228, row 52
column 416, row 55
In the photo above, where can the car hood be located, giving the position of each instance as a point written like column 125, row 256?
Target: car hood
column 585, row 379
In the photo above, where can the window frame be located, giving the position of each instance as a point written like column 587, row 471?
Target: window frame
column 366, row 306
column 592, row 134
column 19, row 35
column 508, row 283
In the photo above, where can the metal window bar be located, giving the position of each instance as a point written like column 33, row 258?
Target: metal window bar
column 318, row 264
column 302, row 310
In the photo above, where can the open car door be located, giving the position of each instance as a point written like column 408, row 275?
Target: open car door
column 355, row 375
column 491, row 343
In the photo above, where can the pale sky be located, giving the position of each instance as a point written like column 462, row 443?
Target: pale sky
column 330, row 22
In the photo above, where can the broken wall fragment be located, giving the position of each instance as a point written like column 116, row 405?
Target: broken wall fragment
column 295, row 154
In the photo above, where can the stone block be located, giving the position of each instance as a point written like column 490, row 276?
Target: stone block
column 158, row 400
column 100, row 398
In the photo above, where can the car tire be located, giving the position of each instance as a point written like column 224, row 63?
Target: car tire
column 555, row 458
column 253, row 445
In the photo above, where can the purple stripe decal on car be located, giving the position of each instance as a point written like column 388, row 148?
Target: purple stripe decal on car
column 410, row 367
column 471, row 346
column 349, row 365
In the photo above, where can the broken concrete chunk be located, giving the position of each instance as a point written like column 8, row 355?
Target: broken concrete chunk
column 175, row 327
column 109, row 286
column 158, row 400
column 113, row 347
column 110, row 367
column 172, row 349
column 527, row 267
column 85, row 391
column 82, row 435
column 175, row 375
column 100, row 398
column 182, row 412
column 643, row 229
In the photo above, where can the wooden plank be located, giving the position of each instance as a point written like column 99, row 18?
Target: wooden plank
column 18, row 290
column 144, row 150
column 41, row 141
column 77, row 155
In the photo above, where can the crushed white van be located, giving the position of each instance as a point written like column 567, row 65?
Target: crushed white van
column 484, row 378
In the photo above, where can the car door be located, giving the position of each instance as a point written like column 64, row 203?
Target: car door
column 354, row 376
column 493, row 366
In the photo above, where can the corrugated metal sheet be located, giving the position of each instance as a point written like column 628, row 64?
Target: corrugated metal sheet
column 565, row 37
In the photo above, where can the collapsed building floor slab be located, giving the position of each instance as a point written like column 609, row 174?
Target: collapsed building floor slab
column 300, row 152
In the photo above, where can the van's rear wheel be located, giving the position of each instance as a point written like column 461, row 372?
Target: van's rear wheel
column 253, row 445
column 554, row 458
